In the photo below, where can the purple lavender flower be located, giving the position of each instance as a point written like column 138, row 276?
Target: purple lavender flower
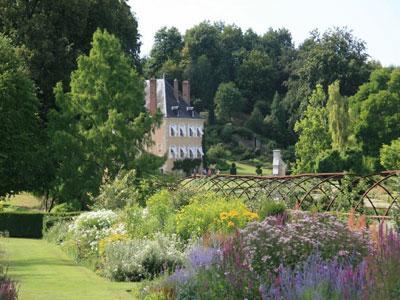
column 319, row 279
column 202, row 257
column 198, row 258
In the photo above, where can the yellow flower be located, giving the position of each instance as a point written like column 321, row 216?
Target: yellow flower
column 223, row 216
column 233, row 213
column 231, row 224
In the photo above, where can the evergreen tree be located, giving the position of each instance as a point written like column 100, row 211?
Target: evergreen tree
column 338, row 116
column 102, row 125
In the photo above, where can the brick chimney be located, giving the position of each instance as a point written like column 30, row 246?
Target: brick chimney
column 176, row 88
column 186, row 91
column 153, row 97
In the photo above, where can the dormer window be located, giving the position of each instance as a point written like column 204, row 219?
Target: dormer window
column 175, row 109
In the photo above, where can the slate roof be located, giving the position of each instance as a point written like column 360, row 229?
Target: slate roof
column 166, row 101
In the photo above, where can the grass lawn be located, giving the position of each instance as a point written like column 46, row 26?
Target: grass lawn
column 23, row 202
column 245, row 169
column 45, row 272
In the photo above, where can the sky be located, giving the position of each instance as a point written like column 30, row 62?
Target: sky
column 377, row 22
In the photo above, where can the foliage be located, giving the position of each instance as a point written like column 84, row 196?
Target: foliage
column 329, row 161
column 210, row 212
column 57, row 233
column 8, row 287
column 89, row 228
column 19, row 128
column 379, row 97
column 322, row 59
column 384, row 262
column 275, row 241
column 390, row 155
column 22, row 224
column 317, row 278
column 313, row 132
column 55, row 34
column 228, row 102
column 338, row 117
column 271, row 208
column 92, row 123
column 166, row 50
column 187, row 165
column 139, row 259
column 217, row 153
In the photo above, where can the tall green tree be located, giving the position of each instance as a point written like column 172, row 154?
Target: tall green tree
column 313, row 130
column 322, row 59
column 228, row 101
column 257, row 78
column 55, row 33
column 338, row 116
column 167, row 47
column 19, row 126
column 378, row 103
column 101, row 125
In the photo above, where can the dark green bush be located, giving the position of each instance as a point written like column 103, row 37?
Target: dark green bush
column 271, row 208
column 22, row 224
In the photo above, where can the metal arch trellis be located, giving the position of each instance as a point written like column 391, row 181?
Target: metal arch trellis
column 377, row 195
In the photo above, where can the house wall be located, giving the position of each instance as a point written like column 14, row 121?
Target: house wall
column 163, row 141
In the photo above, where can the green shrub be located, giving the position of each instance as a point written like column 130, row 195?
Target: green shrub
column 211, row 212
column 65, row 208
column 271, row 208
column 139, row 223
column 57, row 233
column 20, row 224
column 142, row 258
column 390, row 155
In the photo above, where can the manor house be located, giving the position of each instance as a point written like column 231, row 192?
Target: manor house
column 181, row 131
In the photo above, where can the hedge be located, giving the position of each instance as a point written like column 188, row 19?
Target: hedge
column 30, row 225
column 22, row 224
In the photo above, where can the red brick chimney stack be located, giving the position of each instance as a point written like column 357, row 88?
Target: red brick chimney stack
column 153, row 97
column 186, row 91
column 176, row 88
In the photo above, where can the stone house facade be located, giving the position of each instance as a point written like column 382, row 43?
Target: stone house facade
column 181, row 131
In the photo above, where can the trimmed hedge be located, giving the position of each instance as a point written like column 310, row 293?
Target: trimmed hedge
column 30, row 225
column 22, row 224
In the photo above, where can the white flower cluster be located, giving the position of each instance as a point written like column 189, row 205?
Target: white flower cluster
column 142, row 258
column 90, row 227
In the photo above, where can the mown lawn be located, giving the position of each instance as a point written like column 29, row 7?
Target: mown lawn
column 45, row 272
column 246, row 169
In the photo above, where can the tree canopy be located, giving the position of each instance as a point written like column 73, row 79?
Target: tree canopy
column 102, row 121
column 19, row 126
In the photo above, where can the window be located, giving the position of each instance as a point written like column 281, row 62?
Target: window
column 200, row 152
column 191, row 131
column 182, row 130
column 182, row 152
column 199, row 131
column 172, row 130
column 172, row 152
column 192, row 153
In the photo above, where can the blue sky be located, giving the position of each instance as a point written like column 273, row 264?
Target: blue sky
column 376, row 22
